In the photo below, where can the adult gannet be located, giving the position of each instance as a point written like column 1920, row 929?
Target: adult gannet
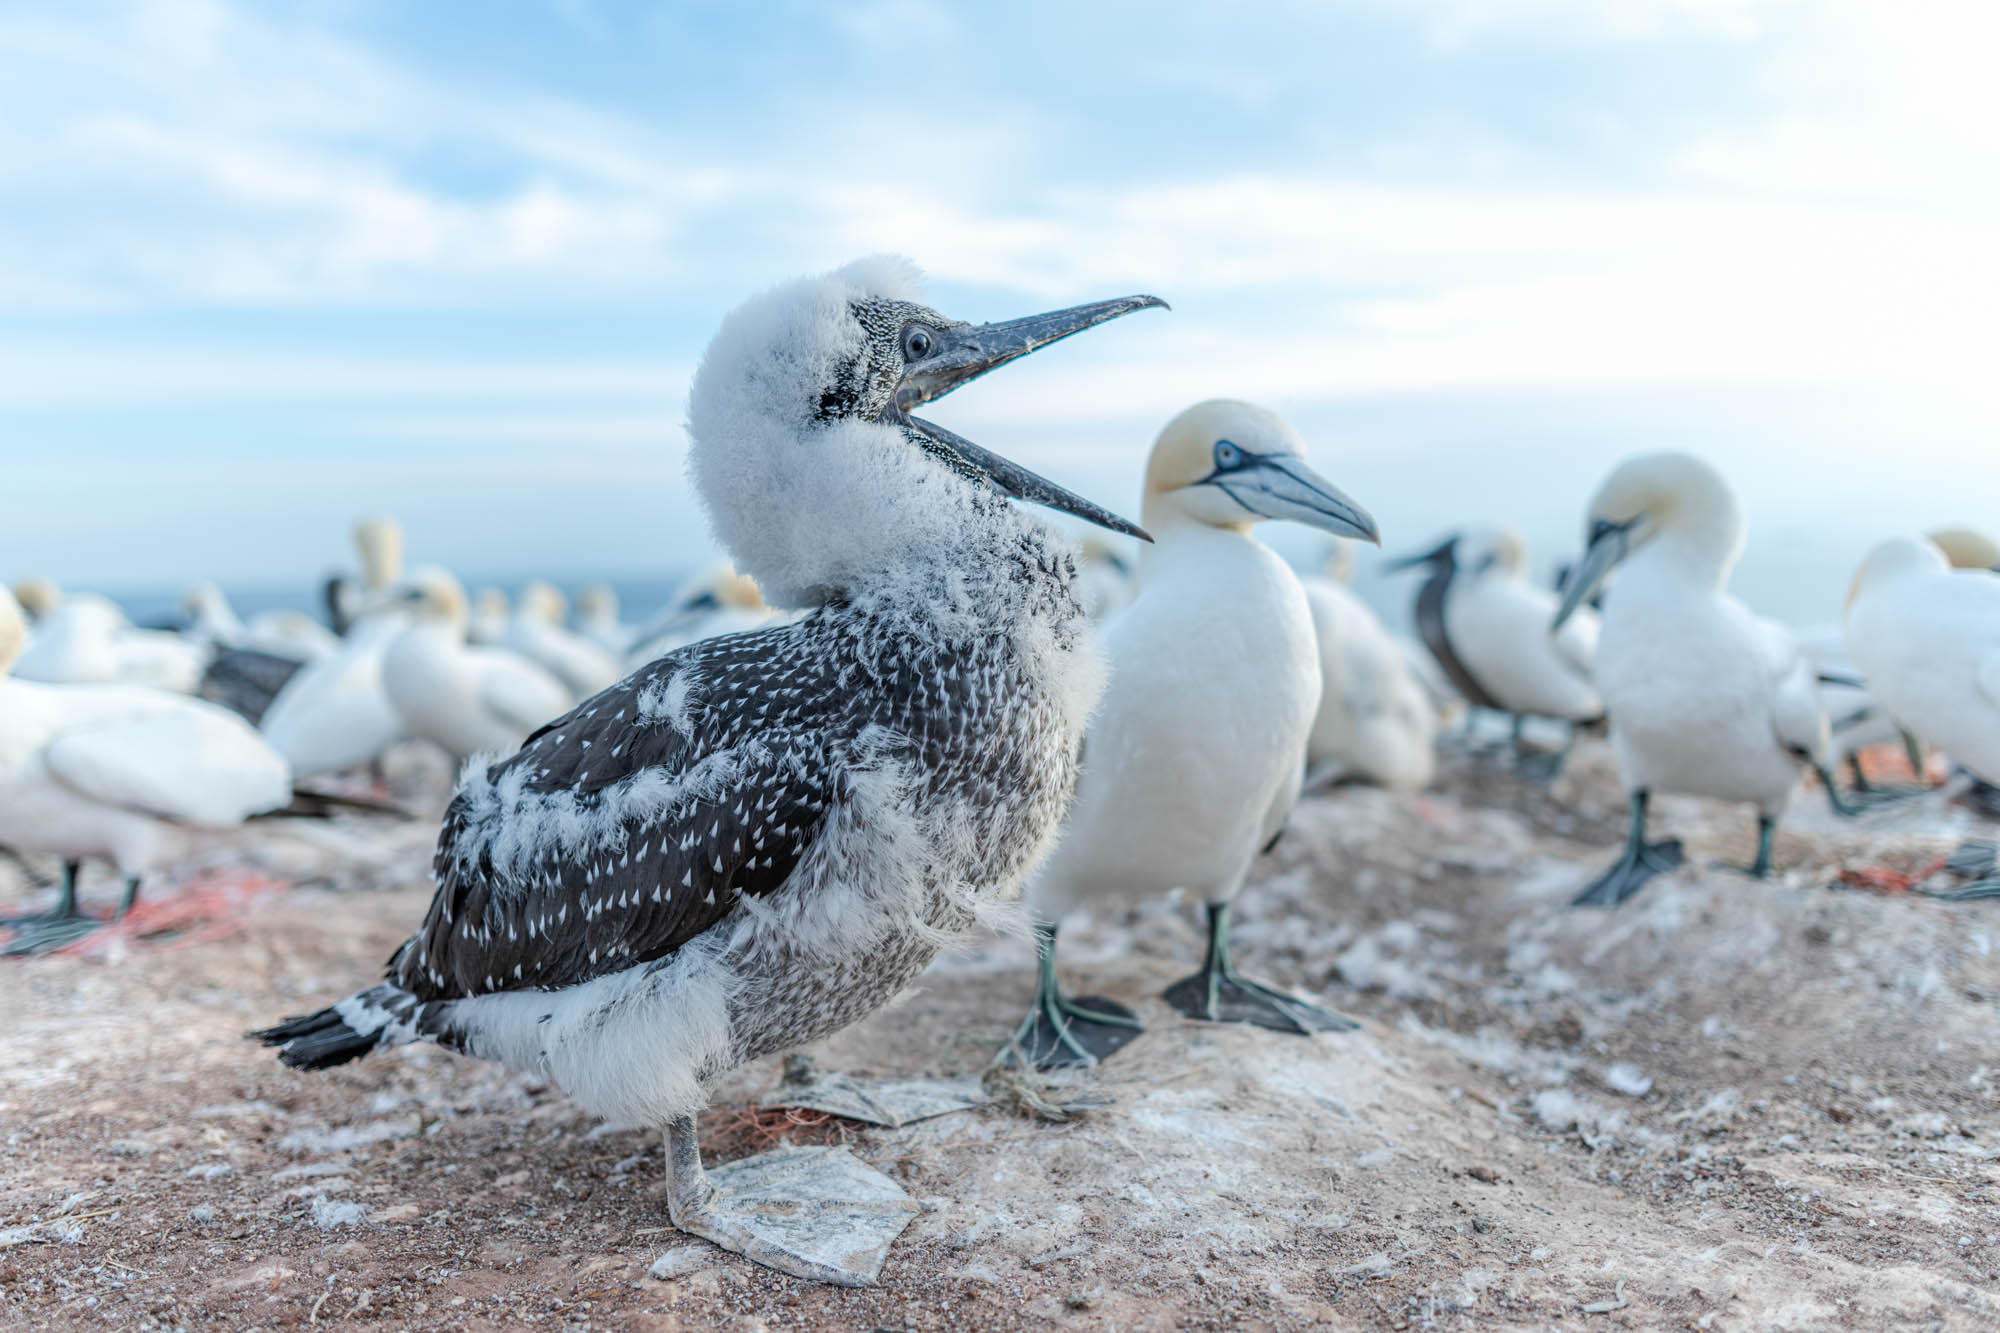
column 37, row 597
column 128, row 773
column 467, row 700
column 334, row 714
column 719, row 600
column 761, row 838
column 490, row 616
column 1375, row 722
column 1967, row 548
column 597, row 620
column 1487, row 627
column 1927, row 637
column 1104, row 578
column 1704, row 697
column 86, row 640
column 1197, row 755
column 536, row 632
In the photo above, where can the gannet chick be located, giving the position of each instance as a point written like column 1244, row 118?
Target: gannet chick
column 467, row 700
column 761, row 838
column 127, row 773
column 1704, row 697
column 536, row 632
column 1927, row 637
column 1487, row 627
column 1375, row 722
column 1196, row 756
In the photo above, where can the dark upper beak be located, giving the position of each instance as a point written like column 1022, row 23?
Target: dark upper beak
column 1437, row 555
column 1609, row 543
column 968, row 351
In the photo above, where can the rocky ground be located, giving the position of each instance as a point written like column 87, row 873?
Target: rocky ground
column 1729, row 1105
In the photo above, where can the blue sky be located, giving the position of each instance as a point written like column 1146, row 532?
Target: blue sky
column 264, row 268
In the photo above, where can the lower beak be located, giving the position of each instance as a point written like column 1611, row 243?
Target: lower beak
column 1282, row 487
column 1013, row 479
column 1606, row 549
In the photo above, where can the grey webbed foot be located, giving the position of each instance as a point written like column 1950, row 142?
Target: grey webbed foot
column 1061, row 1033
column 1631, row 874
column 1218, row 993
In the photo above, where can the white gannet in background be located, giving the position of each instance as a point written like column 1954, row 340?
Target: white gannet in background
column 128, row 773
column 1103, row 578
column 250, row 664
column 334, row 714
column 719, row 600
column 86, row 640
column 1376, row 722
column 597, row 620
column 1967, row 548
column 1927, row 637
column 1705, row 698
column 536, row 632
column 487, row 623
column 380, row 542
column 467, row 700
column 1487, row 627
column 1197, row 755
column 764, row 837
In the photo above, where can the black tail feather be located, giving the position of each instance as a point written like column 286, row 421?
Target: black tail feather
column 316, row 1041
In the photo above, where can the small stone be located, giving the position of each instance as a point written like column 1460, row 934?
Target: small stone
column 680, row 1261
column 1483, row 1173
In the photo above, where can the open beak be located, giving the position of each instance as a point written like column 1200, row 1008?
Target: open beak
column 1609, row 543
column 966, row 352
column 1282, row 487
column 1436, row 555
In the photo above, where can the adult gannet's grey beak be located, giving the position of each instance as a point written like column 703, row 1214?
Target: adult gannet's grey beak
column 1609, row 543
column 966, row 351
column 1281, row 486
column 1437, row 555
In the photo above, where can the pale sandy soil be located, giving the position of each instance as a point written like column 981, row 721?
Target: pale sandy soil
column 1728, row 1106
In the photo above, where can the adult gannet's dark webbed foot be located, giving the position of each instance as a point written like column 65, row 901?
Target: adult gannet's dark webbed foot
column 1218, row 993
column 1767, row 831
column 1061, row 1033
column 1852, row 804
column 1640, row 861
column 815, row 1213
column 62, row 925
column 1984, row 797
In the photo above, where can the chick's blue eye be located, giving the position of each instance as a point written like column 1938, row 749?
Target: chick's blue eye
column 918, row 342
column 1227, row 455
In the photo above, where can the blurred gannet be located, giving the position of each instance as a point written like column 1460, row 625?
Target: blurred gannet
column 334, row 714
column 536, row 632
column 36, row 597
column 86, row 640
column 759, row 839
column 467, row 700
column 597, row 620
column 1704, row 697
column 1376, row 722
column 1487, row 627
column 1965, row 548
column 489, row 619
column 1196, row 756
column 1927, row 637
column 717, row 601
column 128, row 773
column 1103, row 578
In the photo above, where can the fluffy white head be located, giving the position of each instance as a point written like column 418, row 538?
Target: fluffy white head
column 812, row 496
column 13, row 631
column 1677, row 500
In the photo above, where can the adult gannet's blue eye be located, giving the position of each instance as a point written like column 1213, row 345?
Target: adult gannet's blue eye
column 918, row 342
column 1227, row 456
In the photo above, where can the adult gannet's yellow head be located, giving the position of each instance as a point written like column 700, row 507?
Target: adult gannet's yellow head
column 1232, row 464
column 1967, row 548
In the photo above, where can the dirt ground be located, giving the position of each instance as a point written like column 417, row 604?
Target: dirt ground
column 1730, row 1105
